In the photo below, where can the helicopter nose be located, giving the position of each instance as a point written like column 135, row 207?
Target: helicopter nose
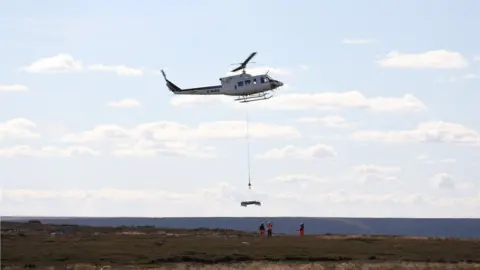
column 276, row 84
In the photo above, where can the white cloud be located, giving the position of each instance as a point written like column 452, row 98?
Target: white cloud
column 147, row 149
column 433, row 131
column 216, row 200
column 119, row 69
column 333, row 100
column 333, row 121
column 378, row 178
column 59, row 63
column 106, row 193
column 174, row 139
column 407, row 103
column 313, row 152
column 218, row 193
column 299, row 179
column 368, row 173
column 48, row 151
column 18, row 128
column 223, row 200
column 321, row 101
column 63, row 63
column 124, row 103
column 448, row 160
column 368, row 168
column 425, row 159
column 357, row 41
column 223, row 191
column 437, row 59
column 476, row 58
column 13, row 88
column 185, row 100
column 237, row 129
column 99, row 133
column 341, row 196
column 172, row 131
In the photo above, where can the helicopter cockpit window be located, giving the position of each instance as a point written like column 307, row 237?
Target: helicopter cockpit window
column 267, row 79
column 247, row 82
column 262, row 79
column 240, row 84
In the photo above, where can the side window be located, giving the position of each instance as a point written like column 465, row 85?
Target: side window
column 255, row 81
column 262, row 80
column 247, row 82
column 240, row 84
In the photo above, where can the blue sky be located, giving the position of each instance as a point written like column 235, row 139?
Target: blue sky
column 378, row 116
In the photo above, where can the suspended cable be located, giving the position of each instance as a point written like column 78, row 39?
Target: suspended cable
column 248, row 149
column 247, row 135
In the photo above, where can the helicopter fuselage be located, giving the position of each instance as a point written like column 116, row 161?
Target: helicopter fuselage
column 246, row 84
column 236, row 85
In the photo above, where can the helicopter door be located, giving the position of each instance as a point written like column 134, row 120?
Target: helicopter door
column 248, row 85
column 263, row 83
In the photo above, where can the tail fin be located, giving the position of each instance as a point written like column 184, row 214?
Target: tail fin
column 170, row 85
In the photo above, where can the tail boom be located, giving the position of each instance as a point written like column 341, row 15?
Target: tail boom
column 205, row 90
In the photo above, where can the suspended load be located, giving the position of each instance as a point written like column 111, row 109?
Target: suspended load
column 247, row 203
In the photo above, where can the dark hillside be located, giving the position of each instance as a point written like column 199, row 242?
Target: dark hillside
column 462, row 228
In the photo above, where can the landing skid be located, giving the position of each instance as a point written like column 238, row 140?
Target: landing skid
column 254, row 97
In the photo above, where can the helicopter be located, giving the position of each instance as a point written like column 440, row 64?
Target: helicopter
column 244, row 86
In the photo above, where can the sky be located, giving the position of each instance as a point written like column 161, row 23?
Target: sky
column 378, row 116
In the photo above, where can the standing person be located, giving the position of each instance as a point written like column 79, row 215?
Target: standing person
column 262, row 230
column 302, row 229
column 269, row 229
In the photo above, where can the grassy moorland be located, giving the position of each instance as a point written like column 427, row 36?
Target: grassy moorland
column 35, row 244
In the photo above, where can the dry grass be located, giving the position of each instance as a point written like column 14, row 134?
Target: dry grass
column 33, row 245
column 281, row 266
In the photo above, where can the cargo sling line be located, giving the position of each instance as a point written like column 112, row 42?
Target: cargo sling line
column 248, row 150
column 251, row 202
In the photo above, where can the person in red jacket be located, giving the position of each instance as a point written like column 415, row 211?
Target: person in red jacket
column 262, row 230
column 302, row 229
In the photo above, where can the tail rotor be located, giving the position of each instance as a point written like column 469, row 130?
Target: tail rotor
column 163, row 73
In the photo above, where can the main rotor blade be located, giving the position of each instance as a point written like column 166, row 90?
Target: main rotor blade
column 249, row 58
column 237, row 69
column 237, row 64
column 244, row 64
